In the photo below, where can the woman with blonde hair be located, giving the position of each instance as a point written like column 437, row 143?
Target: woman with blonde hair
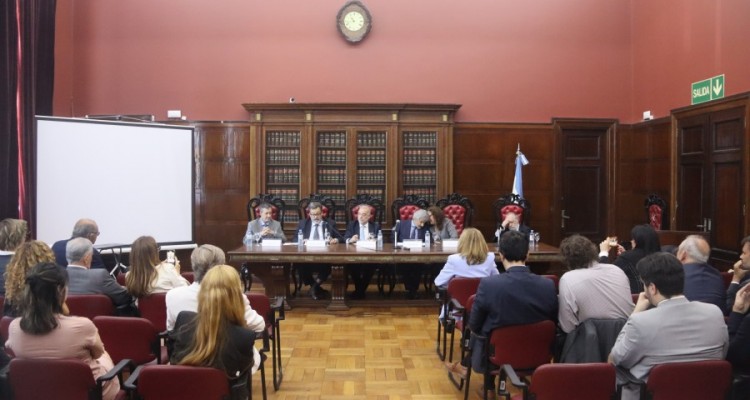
column 26, row 256
column 12, row 235
column 147, row 273
column 217, row 335
column 473, row 260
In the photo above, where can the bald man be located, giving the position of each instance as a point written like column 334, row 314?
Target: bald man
column 702, row 281
column 84, row 228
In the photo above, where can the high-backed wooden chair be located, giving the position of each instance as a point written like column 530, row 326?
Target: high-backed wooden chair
column 404, row 207
column 459, row 209
column 512, row 203
column 277, row 211
column 657, row 212
column 377, row 209
column 328, row 205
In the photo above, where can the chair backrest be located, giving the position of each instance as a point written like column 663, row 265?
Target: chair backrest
column 120, row 279
column 65, row 379
column 129, row 338
column 726, row 277
column 262, row 305
column 404, row 207
column 188, row 275
column 89, row 305
column 690, row 380
column 512, row 203
column 460, row 288
column 555, row 279
column 657, row 212
column 5, row 327
column 524, row 347
column 179, row 382
column 377, row 209
column 458, row 209
column 277, row 209
column 327, row 203
column 154, row 308
column 593, row 381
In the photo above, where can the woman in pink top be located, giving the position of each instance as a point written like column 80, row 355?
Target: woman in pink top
column 43, row 331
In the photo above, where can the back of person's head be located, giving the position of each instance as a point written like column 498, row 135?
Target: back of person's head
column 84, row 227
column 77, row 249
column 203, row 258
column 664, row 271
column 578, row 252
column 420, row 215
column 27, row 256
column 438, row 214
column 696, row 248
column 43, row 298
column 514, row 246
column 645, row 238
column 472, row 246
column 219, row 304
column 12, row 233
column 144, row 256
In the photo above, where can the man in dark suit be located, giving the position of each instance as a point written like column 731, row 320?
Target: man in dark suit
column 84, row 228
column 414, row 229
column 315, row 227
column 84, row 280
column 361, row 229
column 512, row 222
column 702, row 281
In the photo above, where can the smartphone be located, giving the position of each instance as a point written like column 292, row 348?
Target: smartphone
column 170, row 257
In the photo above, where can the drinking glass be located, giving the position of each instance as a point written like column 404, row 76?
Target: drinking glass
column 536, row 238
column 256, row 237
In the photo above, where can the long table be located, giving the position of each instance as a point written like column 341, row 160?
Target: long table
column 270, row 262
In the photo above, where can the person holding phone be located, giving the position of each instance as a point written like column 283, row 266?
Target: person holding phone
column 149, row 275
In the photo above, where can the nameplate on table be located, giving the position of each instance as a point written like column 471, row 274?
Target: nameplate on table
column 316, row 243
column 450, row 244
column 366, row 245
column 412, row 243
column 271, row 243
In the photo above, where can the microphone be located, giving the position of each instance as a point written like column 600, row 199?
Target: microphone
column 395, row 233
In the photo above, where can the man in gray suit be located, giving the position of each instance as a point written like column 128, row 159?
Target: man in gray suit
column 84, row 280
column 674, row 330
column 264, row 226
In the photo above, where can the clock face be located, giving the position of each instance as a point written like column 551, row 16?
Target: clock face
column 354, row 21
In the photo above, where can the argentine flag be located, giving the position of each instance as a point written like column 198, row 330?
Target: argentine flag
column 518, row 178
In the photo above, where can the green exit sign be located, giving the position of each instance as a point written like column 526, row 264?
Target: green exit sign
column 707, row 90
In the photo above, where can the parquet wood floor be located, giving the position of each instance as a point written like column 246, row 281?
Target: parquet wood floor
column 364, row 353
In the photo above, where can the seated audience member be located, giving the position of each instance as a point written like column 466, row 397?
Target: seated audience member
column 147, row 274
column 84, row 228
column 739, row 332
column 473, row 260
column 590, row 289
column 414, row 229
column 740, row 275
column 361, row 229
column 84, row 280
column 675, row 330
column 12, row 235
column 26, row 256
column 217, row 335
column 512, row 222
column 702, row 281
column 516, row 297
column 644, row 241
column 442, row 228
column 43, row 331
column 264, row 225
column 315, row 227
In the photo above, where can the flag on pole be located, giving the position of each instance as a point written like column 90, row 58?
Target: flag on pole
column 518, row 178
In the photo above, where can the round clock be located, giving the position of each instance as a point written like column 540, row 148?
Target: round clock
column 354, row 21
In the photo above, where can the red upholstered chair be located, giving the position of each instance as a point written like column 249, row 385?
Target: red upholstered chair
column 458, row 209
column 456, row 296
column 130, row 338
column 277, row 211
column 329, row 206
column 726, row 276
column 89, row 305
column 689, row 380
column 555, row 279
column 524, row 347
column 377, row 209
column 120, row 278
column 154, row 308
column 404, row 207
column 594, row 381
column 461, row 315
column 62, row 379
column 189, row 276
column 512, row 203
column 272, row 315
column 178, row 382
column 657, row 212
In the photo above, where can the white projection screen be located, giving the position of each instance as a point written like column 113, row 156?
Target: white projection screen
column 133, row 179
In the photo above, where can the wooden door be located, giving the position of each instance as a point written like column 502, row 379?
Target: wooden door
column 583, row 180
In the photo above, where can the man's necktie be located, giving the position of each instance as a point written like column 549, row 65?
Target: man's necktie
column 315, row 232
column 363, row 232
column 413, row 232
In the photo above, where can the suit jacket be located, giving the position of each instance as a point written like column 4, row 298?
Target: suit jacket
column 739, row 344
column 404, row 231
column 96, row 281
column 59, row 249
column 306, row 226
column 704, row 283
column 256, row 225
column 353, row 229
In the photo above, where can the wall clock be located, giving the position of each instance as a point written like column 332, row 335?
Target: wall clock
column 354, row 21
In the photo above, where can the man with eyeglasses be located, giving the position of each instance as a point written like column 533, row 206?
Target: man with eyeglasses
column 315, row 227
column 85, row 228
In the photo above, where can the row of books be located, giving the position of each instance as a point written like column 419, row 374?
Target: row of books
column 370, row 176
column 420, row 157
column 337, row 195
column 283, row 138
column 422, row 176
column 428, row 194
column 290, row 196
column 371, row 157
column 378, row 193
column 283, row 175
column 334, row 176
column 282, row 156
column 326, row 156
column 420, row 139
column 332, row 139
column 371, row 139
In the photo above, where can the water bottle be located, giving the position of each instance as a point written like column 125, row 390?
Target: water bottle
column 532, row 243
column 427, row 239
column 379, row 243
column 300, row 238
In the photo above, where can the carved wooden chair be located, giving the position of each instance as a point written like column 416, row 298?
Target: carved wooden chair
column 277, row 210
column 512, row 203
column 459, row 209
column 656, row 212
column 328, row 205
column 404, row 207
column 377, row 208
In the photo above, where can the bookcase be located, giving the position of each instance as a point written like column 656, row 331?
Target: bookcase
column 341, row 150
